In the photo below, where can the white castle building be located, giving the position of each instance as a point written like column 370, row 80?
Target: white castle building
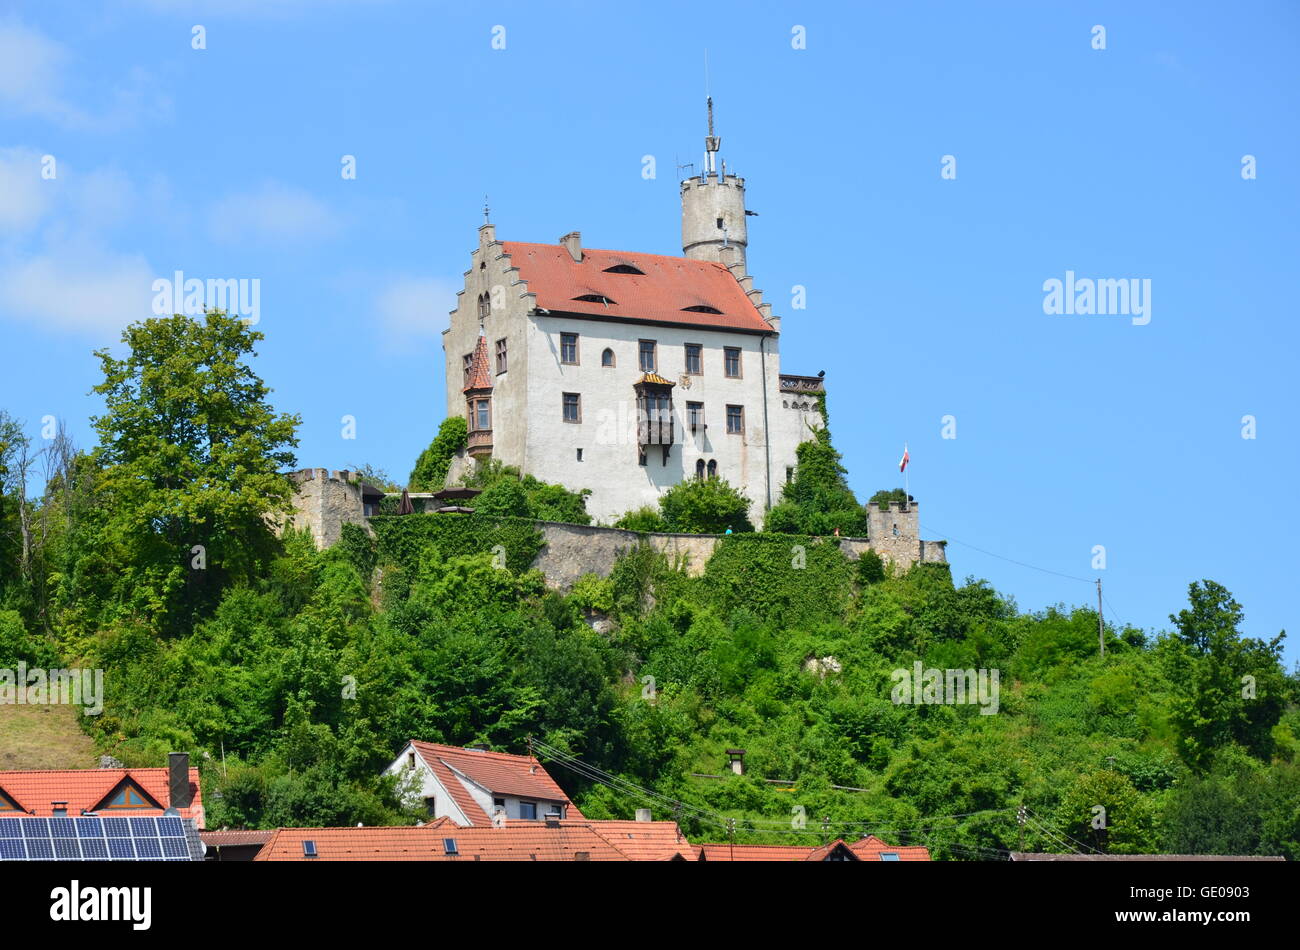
column 625, row 372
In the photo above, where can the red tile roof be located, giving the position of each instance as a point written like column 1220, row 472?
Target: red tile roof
column 866, row 849
column 518, row 841
column 226, row 839
column 660, row 294
column 480, row 376
column 639, row 840
column 84, row 789
column 754, row 852
column 870, row 848
column 497, row 772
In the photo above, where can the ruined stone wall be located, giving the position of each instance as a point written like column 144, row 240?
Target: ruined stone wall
column 325, row 501
column 572, row 550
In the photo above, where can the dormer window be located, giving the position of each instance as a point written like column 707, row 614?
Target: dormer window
column 596, row 298
column 127, row 797
column 7, row 803
column 624, row 269
column 701, row 308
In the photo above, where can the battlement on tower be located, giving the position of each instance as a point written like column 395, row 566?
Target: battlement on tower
column 893, row 520
column 325, row 500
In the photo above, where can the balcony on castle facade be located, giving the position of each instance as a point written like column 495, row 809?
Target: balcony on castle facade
column 655, row 428
column 802, row 384
column 479, row 442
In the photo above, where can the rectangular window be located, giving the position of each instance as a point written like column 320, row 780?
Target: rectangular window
column 572, row 408
column 694, row 359
column 501, row 356
column 731, row 361
column 467, row 359
column 482, row 415
column 735, row 420
column 569, row 348
column 528, row 810
column 647, row 356
column 695, row 415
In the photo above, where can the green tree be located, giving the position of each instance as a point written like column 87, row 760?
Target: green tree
column 644, row 518
column 818, row 501
column 1233, row 689
column 705, row 506
column 191, row 454
column 431, row 467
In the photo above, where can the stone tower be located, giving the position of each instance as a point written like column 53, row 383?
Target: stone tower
column 713, row 207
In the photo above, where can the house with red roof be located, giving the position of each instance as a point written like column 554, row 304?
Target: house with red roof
column 444, row 840
column 472, row 786
column 626, row 372
column 869, row 848
column 106, row 791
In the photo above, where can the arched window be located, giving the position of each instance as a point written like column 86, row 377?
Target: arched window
column 713, row 467
column 484, row 305
column 607, row 358
column 699, row 468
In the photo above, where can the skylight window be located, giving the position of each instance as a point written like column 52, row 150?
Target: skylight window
column 449, row 845
column 701, row 308
column 309, row 849
column 888, row 856
column 596, row 298
column 624, row 269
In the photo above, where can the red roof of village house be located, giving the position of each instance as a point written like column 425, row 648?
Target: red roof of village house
column 639, row 840
column 870, row 848
column 497, row 772
column 518, row 841
column 84, row 789
column 866, row 849
column 479, row 375
column 235, row 838
column 661, row 293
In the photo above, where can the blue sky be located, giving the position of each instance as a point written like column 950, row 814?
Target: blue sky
column 924, row 294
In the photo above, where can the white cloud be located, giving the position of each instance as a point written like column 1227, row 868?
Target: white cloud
column 274, row 214
column 34, row 73
column 25, row 197
column 415, row 308
column 31, row 72
column 79, row 288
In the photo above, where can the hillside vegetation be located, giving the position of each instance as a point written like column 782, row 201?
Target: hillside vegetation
column 293, row 676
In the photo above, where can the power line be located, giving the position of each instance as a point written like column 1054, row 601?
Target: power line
column 1010, row 560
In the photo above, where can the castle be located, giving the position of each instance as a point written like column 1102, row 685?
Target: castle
column 624, row 372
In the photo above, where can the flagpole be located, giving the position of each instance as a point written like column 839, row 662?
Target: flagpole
column 906, row 490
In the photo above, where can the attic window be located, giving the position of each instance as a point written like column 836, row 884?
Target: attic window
column 7, row 803
column 889, row 856
column 596, row 298
column 701, row 308
column 309, row 849
column 128, row 796
column 624, row 269
column 449, row 846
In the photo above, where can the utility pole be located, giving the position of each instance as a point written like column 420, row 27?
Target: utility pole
column 1020, row 820
column 731, row 837
column 1101, row 627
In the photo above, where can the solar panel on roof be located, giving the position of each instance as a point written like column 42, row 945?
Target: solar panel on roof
column 94, row 839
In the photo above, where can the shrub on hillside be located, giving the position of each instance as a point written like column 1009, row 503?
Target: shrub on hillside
column 705, row 506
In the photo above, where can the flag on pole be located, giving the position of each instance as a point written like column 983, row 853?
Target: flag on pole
column 902, row 465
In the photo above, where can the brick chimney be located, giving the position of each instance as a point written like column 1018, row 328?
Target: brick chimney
column 573, row 244
column 178, row 779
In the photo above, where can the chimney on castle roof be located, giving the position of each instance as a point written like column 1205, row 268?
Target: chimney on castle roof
column 573, row 244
